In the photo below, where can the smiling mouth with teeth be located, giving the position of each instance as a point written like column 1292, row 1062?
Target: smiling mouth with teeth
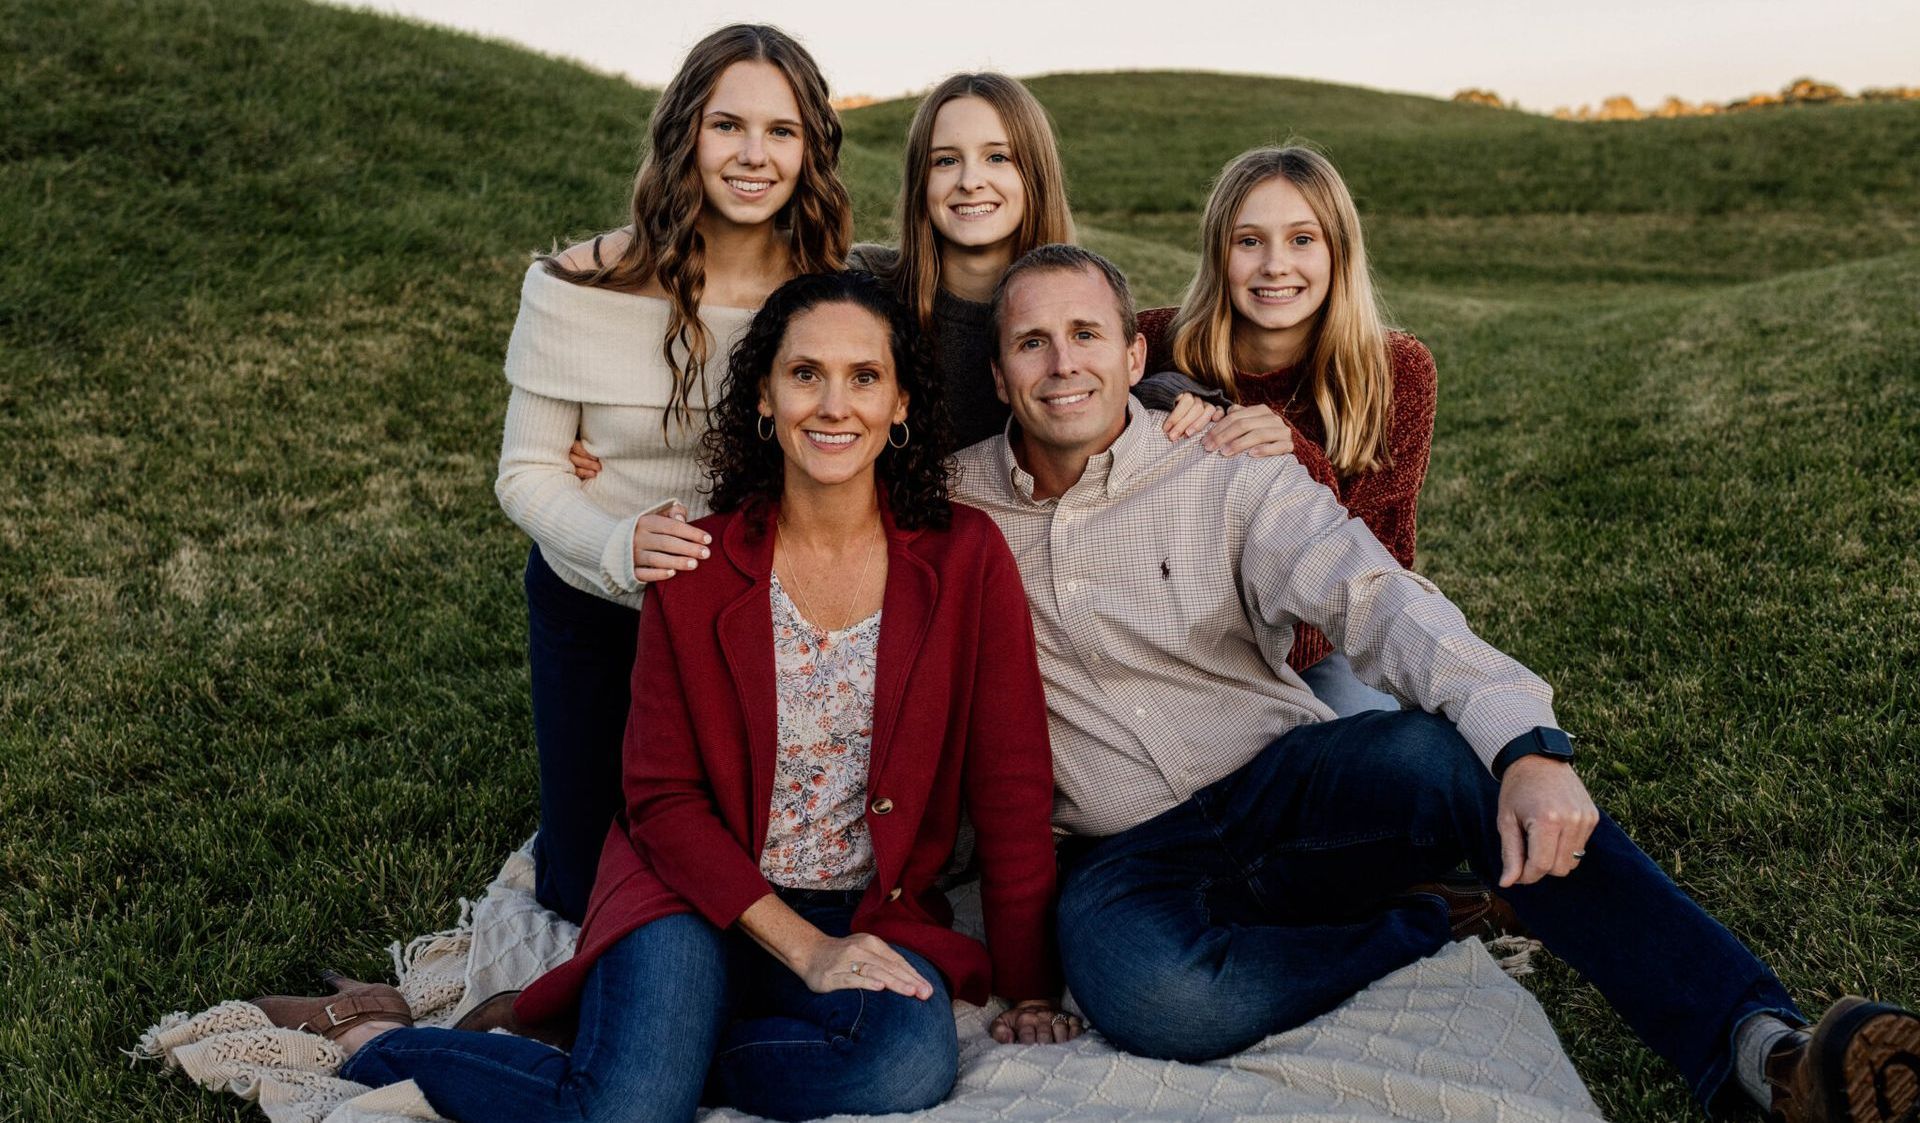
column 751, row 186
column 831, row 438
column 1281, row 294
column 1070, row 399
column 974, row 210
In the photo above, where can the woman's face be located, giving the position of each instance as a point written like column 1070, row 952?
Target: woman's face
column 975, row 195
column 833, row 395
column 750, row 148
column 1278, row 264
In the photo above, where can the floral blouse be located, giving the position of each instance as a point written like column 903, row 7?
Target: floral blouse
column 817, row 829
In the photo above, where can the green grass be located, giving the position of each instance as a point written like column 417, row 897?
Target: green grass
column 263, row 704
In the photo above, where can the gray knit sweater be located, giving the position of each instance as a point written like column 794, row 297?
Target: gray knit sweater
column 962, row 352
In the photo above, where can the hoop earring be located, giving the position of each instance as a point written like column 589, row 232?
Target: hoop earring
column 765, row 430
column 906, row 435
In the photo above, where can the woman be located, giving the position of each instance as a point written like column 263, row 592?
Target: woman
column 1282, row 313
column 738, row 192
column 810, row 712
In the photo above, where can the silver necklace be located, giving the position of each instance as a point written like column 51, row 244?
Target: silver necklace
column 806, row 606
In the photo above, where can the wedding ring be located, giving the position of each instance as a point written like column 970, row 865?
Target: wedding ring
column 1058, row 1018
column 858, row 968
column 1579, row 854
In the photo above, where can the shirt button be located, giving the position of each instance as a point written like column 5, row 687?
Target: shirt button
column 882, row 805
column 895, row 895
column 1139, row 711
column 1073, row 586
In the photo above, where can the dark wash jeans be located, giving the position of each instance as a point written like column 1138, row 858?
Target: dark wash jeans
column 1275, row 893
column 580, row 648
column 677, row 1007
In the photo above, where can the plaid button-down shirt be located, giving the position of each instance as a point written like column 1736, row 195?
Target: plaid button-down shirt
column 1165, row 585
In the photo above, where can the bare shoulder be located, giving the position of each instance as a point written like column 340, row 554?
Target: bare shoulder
column 610, row 246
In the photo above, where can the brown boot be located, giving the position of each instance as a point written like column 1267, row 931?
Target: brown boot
column 1861, row 1065
column 1472, row 908
column 352, row 1003
column 496, row 1012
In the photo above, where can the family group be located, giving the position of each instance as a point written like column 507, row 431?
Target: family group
column 859, row 571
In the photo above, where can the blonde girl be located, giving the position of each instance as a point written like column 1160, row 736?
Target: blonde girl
column 1282, row 313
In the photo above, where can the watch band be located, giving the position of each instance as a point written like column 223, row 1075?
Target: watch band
column 1541, row 740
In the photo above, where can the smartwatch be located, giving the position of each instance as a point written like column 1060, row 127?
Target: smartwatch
column 1541, row 740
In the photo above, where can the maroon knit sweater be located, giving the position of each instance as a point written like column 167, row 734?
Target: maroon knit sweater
column 1385, row 500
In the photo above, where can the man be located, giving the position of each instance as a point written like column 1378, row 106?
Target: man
column 1221, row 885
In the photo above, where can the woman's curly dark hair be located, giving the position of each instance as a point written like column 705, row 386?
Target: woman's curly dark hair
column 746, row 473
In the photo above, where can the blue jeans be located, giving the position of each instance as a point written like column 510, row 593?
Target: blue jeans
column 580, row 648
column 1333, row 682
column 1272, row 895
column 679, row 1009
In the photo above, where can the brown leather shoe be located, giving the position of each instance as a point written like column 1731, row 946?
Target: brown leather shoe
column 496, row 1012
column 352, row 1003
column 1472, row 908
column 1861, row 1065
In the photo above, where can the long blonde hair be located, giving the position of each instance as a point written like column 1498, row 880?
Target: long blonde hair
column 1047, row 218
column 668, row 198
column 1348, row 367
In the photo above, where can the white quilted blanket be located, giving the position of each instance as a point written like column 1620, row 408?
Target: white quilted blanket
column 1448, row 1038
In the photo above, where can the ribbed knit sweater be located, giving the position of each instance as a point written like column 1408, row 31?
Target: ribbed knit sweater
column 962, row 352
column 1387, row 500
column 586, row 361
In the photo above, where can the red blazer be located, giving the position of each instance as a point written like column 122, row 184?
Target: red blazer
column 958, row 715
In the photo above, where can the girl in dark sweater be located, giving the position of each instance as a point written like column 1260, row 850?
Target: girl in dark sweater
column 982, row 185
column 1282, row 313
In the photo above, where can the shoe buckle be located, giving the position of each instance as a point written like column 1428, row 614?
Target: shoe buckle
column 336, row 1020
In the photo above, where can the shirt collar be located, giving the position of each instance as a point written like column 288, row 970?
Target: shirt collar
column 1107, row 472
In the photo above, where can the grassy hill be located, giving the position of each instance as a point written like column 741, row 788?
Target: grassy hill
column 262, row 686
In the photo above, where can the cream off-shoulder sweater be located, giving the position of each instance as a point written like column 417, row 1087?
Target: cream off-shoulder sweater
column 587, row 361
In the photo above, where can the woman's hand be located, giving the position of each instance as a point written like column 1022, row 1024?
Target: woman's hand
column 1034, row 1022
column 1190, row 415
column 1254, row 430
column 664, row 544
column 859, row 962
column 585, row 464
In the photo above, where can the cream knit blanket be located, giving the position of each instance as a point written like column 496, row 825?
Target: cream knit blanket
column 1451, row 1037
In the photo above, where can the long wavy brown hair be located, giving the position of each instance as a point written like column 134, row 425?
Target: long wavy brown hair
column 1035, row 154
column 1348, row 368
column 668, row 198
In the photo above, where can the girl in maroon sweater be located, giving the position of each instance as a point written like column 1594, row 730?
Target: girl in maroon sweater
column 1282, row 314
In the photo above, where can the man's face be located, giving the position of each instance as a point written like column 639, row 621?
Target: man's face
column 1065, row 366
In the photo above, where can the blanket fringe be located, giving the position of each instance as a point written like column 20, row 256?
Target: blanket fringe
column 149, row 1047
column 1515, row 954
column 454, row 940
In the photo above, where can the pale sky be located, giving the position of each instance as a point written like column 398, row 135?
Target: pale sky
column 1544, row 54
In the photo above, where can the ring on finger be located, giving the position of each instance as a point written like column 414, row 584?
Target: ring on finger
column 1579, row 854
column 858, row 968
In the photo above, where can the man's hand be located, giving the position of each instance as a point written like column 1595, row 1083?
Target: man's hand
column 1034, row 1022
column 1545, row 816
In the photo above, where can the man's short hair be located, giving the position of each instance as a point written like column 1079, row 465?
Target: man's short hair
column 1059, row 257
